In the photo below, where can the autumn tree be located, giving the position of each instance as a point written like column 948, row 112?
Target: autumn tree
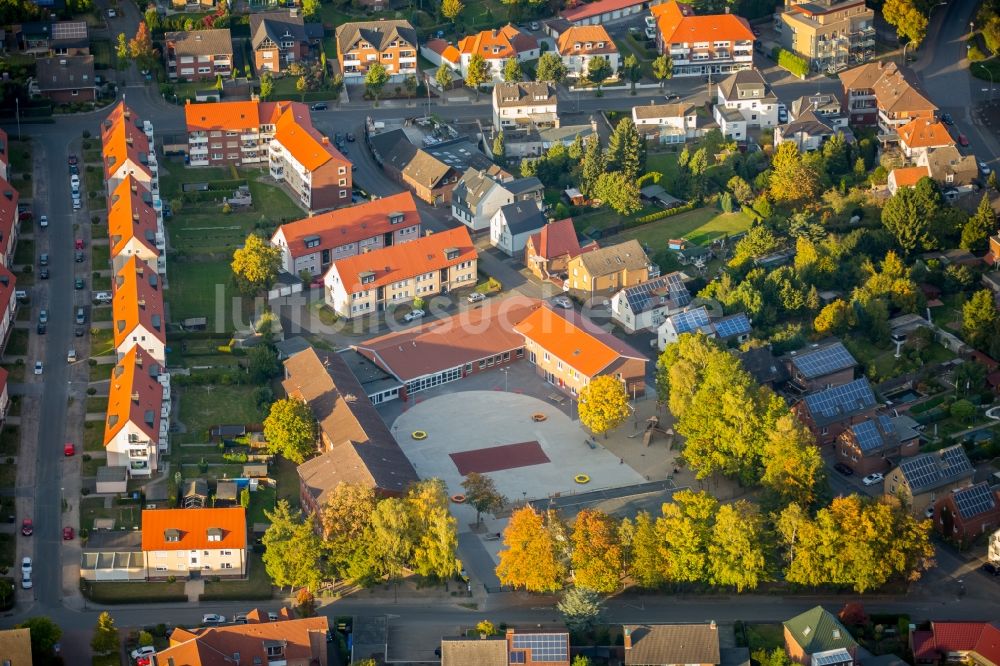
column 292, row 549
column 550, row 68
column 105, row 639
column 450, row 9
column 663, row 68
column 741, row 190
column 290, row 429
column 792, row 179
column 736, row 554
column 835, row 318
column 792, row 462
column 392, row 532
column 375, row 79
column 435, row 538
column 581, row 609
column 512, row 70
column 647, row 561
column 482, row 495
column 141, row 49
column 603, row 404
column 444, row 76
column 255, row 265
column 597, row 553
column 530, row 558
column 685, row 529
column 346, row 520
column 598, row 71
column 979, row 227
column 305, row 603
column 979, row 319
column 909, row 20
column 478, row 72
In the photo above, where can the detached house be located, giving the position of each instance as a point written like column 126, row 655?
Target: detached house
column 134, row 228
column 578, row 45
column 547, row 253
column 922, row 479
column 647, row 304
column 921, row 135
column 817, row 638
column 966, row 514
column 609, row 269
column 496, row 47
column 314, row 243
column 875, row 444
column 957, row 642
column 525, row 105
column 66, row 79
column 669, row 123
column 745, row 101
column 128, row 150
column 198, row 55
column 137, row 426
column 137, row 310
column 885, row 95
column 195, row 542
column 70, row 38
column 672, row 644
column 279, row 38
column 480, row 193
column 950, row 169
column 390, row 42
column 513, row 224
column 307, row 163
column 433, row 172
column 821, row 368
column 377, row 280
column 530, row 648
column 830, row 412
column 697, row 320
column 713, row 45
column 292, row 642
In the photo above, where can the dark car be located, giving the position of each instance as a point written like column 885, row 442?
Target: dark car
column 72, row 159
column 843, row 469
column 41, row 328
column 74, row 170
column 44, row 274
column 79, row 331
column 320, row 106
column 79, row 283
column 350, row 138
column 78, row 256
column 947, row 119
column 992, row 569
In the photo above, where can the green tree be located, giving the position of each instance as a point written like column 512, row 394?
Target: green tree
column 979, row 319
column 776, row 657
column 478, row 73
column 512, row 70
column 631, row 69
column 375, row 79
column 647, row 563
column 482, row 495
column 625, row 150
column 450, row 9
column 263, row 363
column 741, row 190
column 292, row 549
column 152, row 18
column 976, row 232
column 963, row 410
column 592, row 165
column 434, row 536
column 444, row 76
column 993, row 181
column 346, row 521
column 619, row 192
column 685, row 529
column 145, row 639
column 245, row 498
column 909, row 20
column 597, row 558
column 581, row 609
column 266, row 86
column 792, row 462
column 736, row 554
column 550, row 68
column 44, row 635
column 391, row 541
column 499, row 149
column 530, row 558
column 904, row 219
column 663, row 68
column 792, row 179
column 255, row 265
column 105, row 639
column 603, row 404
column 121, row 51
column 290, row 429
column 795, row 64
column 310, row 10
column 598, row 71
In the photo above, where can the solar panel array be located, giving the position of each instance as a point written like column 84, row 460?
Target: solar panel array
column 692, row 320
column 69, row 30
column 646, row 295
column 974, row 500
column 954, row 460
column 844, row 399
column 870, row 434
column 824, row 361
column 931, row 469
column 733, row 325
column 544, row 647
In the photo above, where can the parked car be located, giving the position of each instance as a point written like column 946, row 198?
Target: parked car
column 72, row 159
column 21, row 295
column 26, row 566
column 41, row 329
column 81, row 316
column 74, row 182
column 992, row 569
column 350, row 138
column 77, row 204
column 78, row 283
column 27, row 527
column 43, row 274
column 563, row 302
column 534, row 25
column 947, row 119
column 782, row 113
column 963, row 140
column 843, row 469
column 984, row 168
column 320, row 106
column 68, row 533
column 78, row 244
column 78, row 256
column 79, row 331
column 103, row 297
column 43, row 316
column 413, row 315
column 144, row 651
column 476, row 297
column 43, row 221
column 39, row 368
column 74, row 169
column 43, row 259
column 112, row 12
column 872, row 479
column 212, row 618
column 26, row 581
column 71, row 358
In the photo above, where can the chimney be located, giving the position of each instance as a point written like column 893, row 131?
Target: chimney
column 628, row 638
column 294, row 11
column 712, row 625
column 326, row 141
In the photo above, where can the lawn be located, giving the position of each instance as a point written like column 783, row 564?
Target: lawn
column 100, row 372
column 126, row 517
column 100, row 258
column 102, row 341
column 17, row 345
column 665, row 164
column 195, row 289
column 205, row 406
column 21, row 168
column 283, row 470
column 883, row 359
column 100, row 313
column 133, row 593
column 263, row 499
column 25, row 252
column 93, row 435
column 699, row 226
column 101, row 50
column 101, row 283
column 97, row 404
column 7, row 550
column 764, row 636
column 15, row 372
column 89, row 467
column 8, row 475
column 10, row 440
column 256, row 586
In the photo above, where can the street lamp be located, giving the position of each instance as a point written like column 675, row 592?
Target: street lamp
column 505, row 371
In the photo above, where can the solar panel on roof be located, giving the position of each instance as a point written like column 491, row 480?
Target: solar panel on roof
column 921, row 471
column 544, row 647
column 69, row 30
column 824, row 361
column 668, row 287
column 737, row 324
column 692, row 320
column 870, row 434
column 974, row 500
column 843, row 399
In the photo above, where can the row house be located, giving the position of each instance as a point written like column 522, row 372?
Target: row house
column 65, row 79
column 314, row 243
column 703, row 45
column 647, row 305
column 60, row 38
column 137, row 310
column 231, row 133
column 190, row 543
column 127, row 150
column 732, row 328
column 670, row 123
column 198, row 55
column 136, row 428
column 377, row 280
column 967, row 514
column 817, row 637
column 922, row 479
column 5, row 171
column 885, row 95
column 579, row 45
column 605, row 271
column 8, row 305
column 306, row 162
column 548, row 252
column 393, row 43
column 134, row 228
column 496, row 47
column 9, row 227
column 875, row 444
column 830, row 412
column 531, row 648
column 287, row 642
column 745, row 101
column 569, row 351
column 280, row 38
column 830, row 34
column 819, row 368
column 525, row 105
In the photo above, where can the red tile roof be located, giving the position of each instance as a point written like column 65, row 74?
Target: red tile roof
column 909, row 176
column 129, row 216
column 988, row 645
column 349, row 225
column 956, row 636
column 8, row 214
column 222, row 116
column 134, row 396
column 445, row 50
column 295, row 132
column 558, row 239
column 597, row 8
column 123, row 139
column 303, row 641
column 922, row 643
column 407, row 260
column 194, row 526
column 506, row 42
column 8, row 282
column 575, row 40
column 679, row 24
column 4, row 144
column 925, row 133
column 138, row 299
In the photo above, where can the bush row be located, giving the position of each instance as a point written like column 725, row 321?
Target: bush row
column 660, row 214
column 797, row 65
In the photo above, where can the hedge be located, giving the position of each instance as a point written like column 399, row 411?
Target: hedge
column 797, row 65
column 751, row 213
column 659, row 215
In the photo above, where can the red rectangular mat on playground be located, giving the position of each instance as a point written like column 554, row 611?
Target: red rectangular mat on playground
column 497, row 458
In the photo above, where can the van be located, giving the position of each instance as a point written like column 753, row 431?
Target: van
column 81, row 317
column 21, row 295
column 102, row 297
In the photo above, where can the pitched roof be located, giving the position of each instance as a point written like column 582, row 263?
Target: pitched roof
column 4, row 145
column 195, row 529
column 763, row 365
column 407, row 260
column 823, row 361
column 865, row 76
column 295, row 132
column 122, row 139
column 974, row 500
column 15, row 646
column 9, row 198
column 928, row 471
column 818, row 630
column 666, row 290
column 138, row 300
column 586, row 40
column 65, row 72
column 377, row 33
column 575, row 340
column 201, row 42
column 302, row 641
column 522, row 217
column 678, row 110
column 447, row 343
column 747, row 80
column 673, row 644
column 898, row 90
column 678, row 23
column 491, row 651
column 834, row 404
column 874, row 434
column 822, row 103
column 8, row 283
column 349, row 225
column 557, row 239
column 909, row 176
column 588, row 10
column 443, row 49
column 222, row 116
column 950, row 636
column 135, row 395
column 925, row 133
column 130, row 216
column 948, row 161
column 277, row 26
column 607, row 260
column 512, row 94
column 472, row 187
column 807, row 123
column 506, row 42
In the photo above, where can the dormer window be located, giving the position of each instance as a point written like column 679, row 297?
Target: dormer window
column 312, row 241
column 367, row 277
column 171, row 535
column 395, row 218
column 576, row 47
column 215, row 534
column 451, row 253
column 600, row 45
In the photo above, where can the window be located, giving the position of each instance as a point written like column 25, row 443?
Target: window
column 227, row 565
column 157, row 568
column 74, row 93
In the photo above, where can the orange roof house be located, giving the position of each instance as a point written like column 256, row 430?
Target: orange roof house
column 312, row 243
column 906, row 177
column 298, row 146
column 496, row 46
column 921, row 134
column 678, row 24
column 293, row 642
column 441, row 52
column 126, row 148
column 8, row 304
column 135, row 420
column 578, row 44
column 209, row 541
column 232, row 116
column 8, row 222
column 137, row 310
column 132, row 226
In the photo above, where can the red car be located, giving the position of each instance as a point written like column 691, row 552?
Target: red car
column 27, row 527
column 963, row 141
column 68, row 533
column 69, row 449
column 78, row 245
column 72, row 159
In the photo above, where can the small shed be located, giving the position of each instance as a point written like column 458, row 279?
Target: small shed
column 254, row 470
column 210, row 95
column 226, row 493
column 155, row 495
column 574, row 196
column 196, row 494
column 656, row 193
column 227, row 432
column 112, row 480
column 195, row 324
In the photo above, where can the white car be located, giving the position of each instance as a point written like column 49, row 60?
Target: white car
column 74, row 182
column 563, row 302
column 985, row 169
column 212, row 618
column 43, row 221
column 872, row 479
column 39, row 368
column 103, row 297
column 413, row 315
column 26, row 581
column 77, row 204
column 144, row 651
column 26, row 566
column 476, row 297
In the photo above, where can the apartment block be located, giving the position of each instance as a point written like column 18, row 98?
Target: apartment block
column 390, row 42
column 134, row 228
column 703, row 45
column 137, row 425
column 579, row 45
column 198, row 55
column 236, row 133
column 280, row 38
column 188, row 543
column 137, row 310
column 525, row 105
column 127, row 150
column 831, row 34
column 314, row 172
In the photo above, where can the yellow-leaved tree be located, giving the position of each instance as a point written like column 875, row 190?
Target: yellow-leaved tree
column 603, row 404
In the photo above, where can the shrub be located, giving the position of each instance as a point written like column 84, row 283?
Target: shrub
column 91, row 391
column 975, row 53
column 797, row 65
column 86, row 134
column 659, row 215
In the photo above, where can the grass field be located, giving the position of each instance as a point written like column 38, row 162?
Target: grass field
column 93, row 435
column 264, row 498
column 97, row 404
column 10, row 440
column 764, row 636
column 15, row 372
column 102, row 341
column 134, row 593
column 196, row 289
column 205, row 406
column 7, row 550
column 24, row 253
column 21, row 168
column 126, row 517
column 101, row 49
column 699, row 226
column 256, row 586
column 17, row 345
